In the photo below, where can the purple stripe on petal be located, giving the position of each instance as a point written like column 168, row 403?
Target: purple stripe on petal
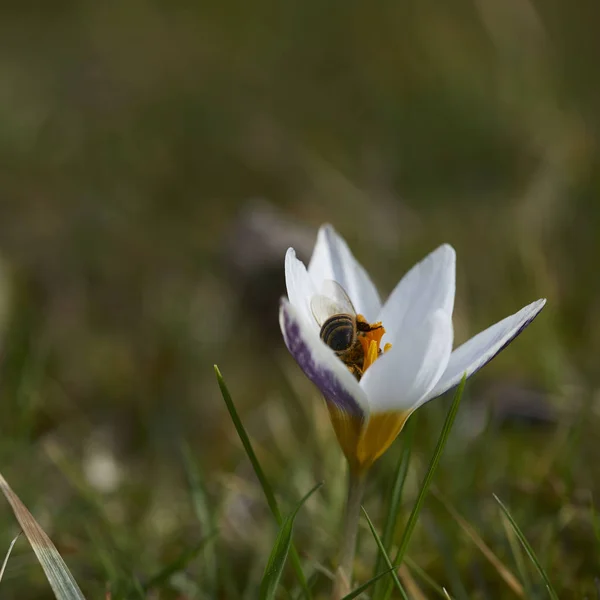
column 318, row 373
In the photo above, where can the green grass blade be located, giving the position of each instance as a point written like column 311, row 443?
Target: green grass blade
column 280, row 550
column 111, row 546
column 445, row 547
column 264, row 483
column 395, row 499
column 241, row 431
column 365, row 586
column 312, row 580
column 528, row 549
column 59, row 577
column 439, row 449
column 414, row 515
column 595, row 521
column 176, row 565
column 12, row 545
column 386, row 558
column 104, row 555
column 204, row 515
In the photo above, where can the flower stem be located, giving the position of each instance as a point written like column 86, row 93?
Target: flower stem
column 343, row 576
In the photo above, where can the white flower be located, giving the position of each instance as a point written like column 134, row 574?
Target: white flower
column 368, row 412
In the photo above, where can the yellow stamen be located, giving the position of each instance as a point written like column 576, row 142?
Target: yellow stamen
column 387, row 347
column 371, row 341
column 371, row 353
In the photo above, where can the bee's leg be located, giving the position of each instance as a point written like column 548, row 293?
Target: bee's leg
column 364, row 327
column 356, row 371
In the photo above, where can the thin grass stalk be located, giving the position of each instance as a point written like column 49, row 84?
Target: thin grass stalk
column 205, row 518
column 343, row 576
column 414, row 515
column 12, row 544
column 395, row 499
column 425, row 577
column 503, row 571
column 386, row 558
column 528, row 549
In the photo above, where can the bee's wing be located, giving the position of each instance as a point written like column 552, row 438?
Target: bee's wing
column 332, row 301
column 332, row 289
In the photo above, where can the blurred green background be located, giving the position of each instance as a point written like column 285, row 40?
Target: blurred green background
column 156, row 160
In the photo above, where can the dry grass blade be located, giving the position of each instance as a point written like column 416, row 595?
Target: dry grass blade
column 57, row 572
column 412, row 587
column 425, row 578
column 517, row 552
column 470, row 532
column 12, row 545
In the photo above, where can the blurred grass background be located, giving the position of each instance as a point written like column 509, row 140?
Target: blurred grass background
column 156, row 160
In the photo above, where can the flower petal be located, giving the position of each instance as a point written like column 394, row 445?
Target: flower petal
column 320, row 364
column 377, row 435
column 300, row 287
column 348, row 431
column 479, row 350
column 409, row 370
column 427, row 287
column 332, row 259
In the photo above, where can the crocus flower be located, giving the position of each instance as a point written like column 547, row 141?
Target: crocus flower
column 405, row 356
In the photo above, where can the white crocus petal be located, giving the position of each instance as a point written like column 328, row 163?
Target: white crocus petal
column 429, row 286
column 332, row 259
column 300, row 287
column 410, row 369
column 320, row 364
column 479, row 350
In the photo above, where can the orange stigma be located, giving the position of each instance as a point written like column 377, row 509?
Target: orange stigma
column 371, row 342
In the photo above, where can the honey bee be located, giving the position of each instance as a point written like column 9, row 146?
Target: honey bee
column 340, row 326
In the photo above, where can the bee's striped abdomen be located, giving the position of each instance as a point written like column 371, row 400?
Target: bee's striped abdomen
column 339, row 332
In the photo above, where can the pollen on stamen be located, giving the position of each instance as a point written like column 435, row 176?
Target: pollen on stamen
column 371, row 342
column 371, row 355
